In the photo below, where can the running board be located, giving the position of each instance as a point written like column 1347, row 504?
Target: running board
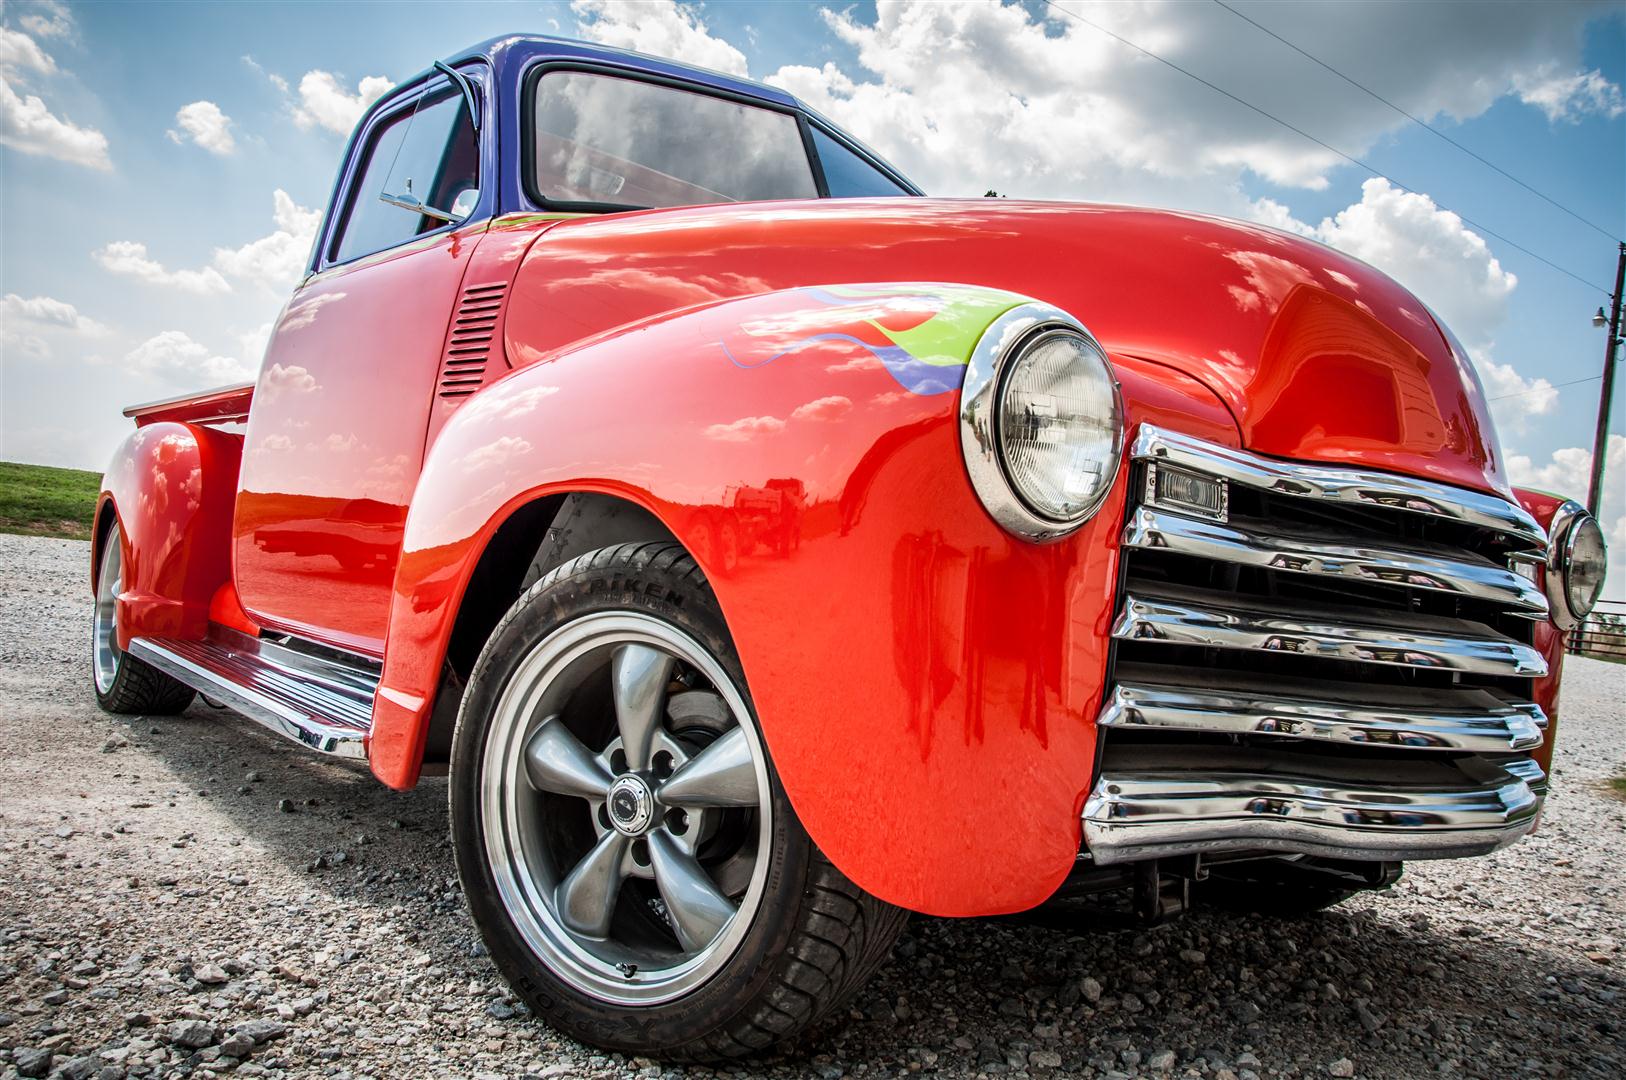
column 323, row 704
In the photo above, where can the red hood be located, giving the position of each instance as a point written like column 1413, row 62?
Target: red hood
column 1318, row 356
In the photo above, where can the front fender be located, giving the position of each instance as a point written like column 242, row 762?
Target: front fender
column 926, row 682
column 173, row 487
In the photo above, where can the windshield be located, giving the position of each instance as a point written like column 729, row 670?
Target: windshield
column 626, row 143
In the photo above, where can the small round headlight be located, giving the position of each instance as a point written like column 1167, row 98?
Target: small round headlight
column 1584, row 566
column 1041, row 424
column 1576, row 560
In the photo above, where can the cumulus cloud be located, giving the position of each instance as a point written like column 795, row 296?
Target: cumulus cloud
column 28, row 125
column 175, row 357
column 130, row 259
column 1570, row 97
column 1568, row 472
column 325, row 103
column 203, row 123
column 825, row 408
column 47, row 19
column 745, row 428
column 48, row 312
column 275, row 261
column 662, row 28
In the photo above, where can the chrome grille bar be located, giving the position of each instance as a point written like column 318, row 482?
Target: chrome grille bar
column 1189, row 618
column 1351, row 486
column 1436, row 569
column 1472, row 720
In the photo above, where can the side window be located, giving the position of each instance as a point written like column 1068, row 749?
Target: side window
column 848, row 175
column 431, row 154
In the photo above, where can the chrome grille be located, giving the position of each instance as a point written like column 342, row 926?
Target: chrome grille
column 1316, row 660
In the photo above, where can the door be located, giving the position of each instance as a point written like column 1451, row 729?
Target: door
column 337, row 429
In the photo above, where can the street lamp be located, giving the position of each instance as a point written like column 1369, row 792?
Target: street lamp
column 1600, row 320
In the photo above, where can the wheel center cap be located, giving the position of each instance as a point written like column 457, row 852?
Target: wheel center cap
column 630, row 805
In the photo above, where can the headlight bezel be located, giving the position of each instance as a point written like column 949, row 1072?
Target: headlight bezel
column 997, row 352
column 1565, row 529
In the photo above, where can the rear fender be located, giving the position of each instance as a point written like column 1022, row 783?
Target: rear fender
column 926, row 683
column 171, row 487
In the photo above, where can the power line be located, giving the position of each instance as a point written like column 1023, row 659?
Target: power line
column 1324, row 145
column 1544, row 389
column 1374, row 95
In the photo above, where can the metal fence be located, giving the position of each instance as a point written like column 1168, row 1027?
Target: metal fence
column 1603, row 635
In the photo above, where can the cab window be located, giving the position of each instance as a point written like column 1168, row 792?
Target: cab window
column 603, row 142
column 848, row 176
column 429, row 153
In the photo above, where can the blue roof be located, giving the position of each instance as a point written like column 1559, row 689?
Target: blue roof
column 527, row 46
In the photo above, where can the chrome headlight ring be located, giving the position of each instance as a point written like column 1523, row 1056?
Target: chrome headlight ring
column 1007, row 341
column 1571, row 525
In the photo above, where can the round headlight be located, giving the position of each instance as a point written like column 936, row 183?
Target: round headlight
column 1041, row 424
column 1576, row 561
column 1584, row 566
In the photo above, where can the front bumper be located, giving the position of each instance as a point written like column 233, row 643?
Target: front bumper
column 1269, row 697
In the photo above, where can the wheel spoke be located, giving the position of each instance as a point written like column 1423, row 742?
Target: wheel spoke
column 699, row 912
column 722, row 774
column 586, row 899
column 556, row 761
column 639, row 675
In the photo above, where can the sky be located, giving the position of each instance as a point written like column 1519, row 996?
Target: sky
column 163, row 167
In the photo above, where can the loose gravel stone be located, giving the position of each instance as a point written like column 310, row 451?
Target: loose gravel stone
column 1512, row 965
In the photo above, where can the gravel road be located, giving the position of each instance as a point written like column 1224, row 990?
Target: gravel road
column 190, row 896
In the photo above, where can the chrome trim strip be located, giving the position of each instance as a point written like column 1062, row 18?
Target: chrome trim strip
column 1416, row 568
column 1358, row 487
column 1170, row 807
column 979, row 406
column 1471, row 724
column 1194, row 621
column 307, row 713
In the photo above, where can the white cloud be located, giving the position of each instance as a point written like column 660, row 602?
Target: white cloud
column 130, row 259
column 276, row 261
column 18, row 51
column 661, row 28
column 175, row 357
column 325, row 103
column 26, row 124
column 291, row 379
column 204, row 123
column 745, row 428
column 1570, row 97
column 825, row 408
column 48, row 312
column 47, row 18
column 1568, row 472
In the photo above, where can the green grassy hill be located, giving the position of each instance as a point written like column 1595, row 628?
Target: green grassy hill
column 38, row 500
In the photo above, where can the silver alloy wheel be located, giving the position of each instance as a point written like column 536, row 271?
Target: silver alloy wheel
column 105, row 653
column 627, row 826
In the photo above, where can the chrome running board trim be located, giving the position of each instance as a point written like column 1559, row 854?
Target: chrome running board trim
column 1467, row 720
column 1187, row 617
column 1154, row 803
column 1353, row 486
column 1434, row 569
column 323, row 705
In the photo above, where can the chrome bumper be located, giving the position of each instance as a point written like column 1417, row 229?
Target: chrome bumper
column 1335, row 664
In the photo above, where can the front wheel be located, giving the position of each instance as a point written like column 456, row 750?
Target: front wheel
column 624, row 842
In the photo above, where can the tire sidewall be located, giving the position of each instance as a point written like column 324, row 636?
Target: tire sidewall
column 583, row 588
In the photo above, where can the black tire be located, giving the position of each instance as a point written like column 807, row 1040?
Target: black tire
column 135, row 687
column 816, row 937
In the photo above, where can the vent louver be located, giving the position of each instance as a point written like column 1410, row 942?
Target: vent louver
column 468, row 346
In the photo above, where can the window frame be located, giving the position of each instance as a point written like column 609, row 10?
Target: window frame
column 363, row 140
column 539, row 69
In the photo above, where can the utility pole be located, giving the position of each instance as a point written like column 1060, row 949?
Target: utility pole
column 1606, row 396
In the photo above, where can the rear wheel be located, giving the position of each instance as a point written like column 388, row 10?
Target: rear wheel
column 123, row 683
column 624, row 841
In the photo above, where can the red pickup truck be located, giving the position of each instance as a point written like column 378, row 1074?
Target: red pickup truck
column 767, row 551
